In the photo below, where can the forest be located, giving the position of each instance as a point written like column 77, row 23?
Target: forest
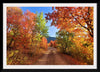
column 27, row 34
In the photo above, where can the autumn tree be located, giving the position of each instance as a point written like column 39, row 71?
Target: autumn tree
column 73, row 19
column 19, row 26
column 41, row 25
column 27, row 26
column 51, row 44
column 41, row 31
column 55, row 43
column 77, row 20
column 26, row 34
column 44, row 43
column 63, row 39
column 13, row 24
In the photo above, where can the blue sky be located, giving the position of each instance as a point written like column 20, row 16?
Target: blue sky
column 52, row 30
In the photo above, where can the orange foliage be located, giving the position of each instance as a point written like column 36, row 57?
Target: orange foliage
column 44, row 43
column 73, row 19
column 52, row 43
column 19, row 26
column 79, row 21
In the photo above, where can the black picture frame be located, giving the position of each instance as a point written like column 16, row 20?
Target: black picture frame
column 50, row 70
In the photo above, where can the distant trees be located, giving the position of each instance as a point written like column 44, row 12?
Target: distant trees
column 53, row 43
column 44, row 43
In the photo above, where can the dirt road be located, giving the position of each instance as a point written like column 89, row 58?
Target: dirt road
column 51, row 57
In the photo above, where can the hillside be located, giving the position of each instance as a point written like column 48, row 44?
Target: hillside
column 51, row 38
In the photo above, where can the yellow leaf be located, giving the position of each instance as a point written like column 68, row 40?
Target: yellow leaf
column 82, row 39
column 16, row 51
column 10, row 55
